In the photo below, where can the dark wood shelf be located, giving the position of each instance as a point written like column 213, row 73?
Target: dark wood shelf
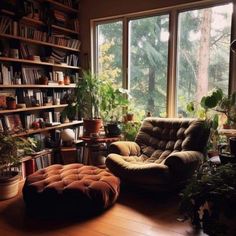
column 32, row 109
column 25, row 61
column 39, row 22
column 35, row 131
column 36, row 86
column 61, row 6
column 33, row 41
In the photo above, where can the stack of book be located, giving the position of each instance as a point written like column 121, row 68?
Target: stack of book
column 6, row 75
column 72, row 60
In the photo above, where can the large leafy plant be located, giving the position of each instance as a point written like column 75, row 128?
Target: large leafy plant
column 113, row 102
column 88, row 95
column 209, row 108
column 210, row 197
column 11, row 150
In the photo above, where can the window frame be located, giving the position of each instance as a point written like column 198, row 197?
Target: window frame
column 173, row 12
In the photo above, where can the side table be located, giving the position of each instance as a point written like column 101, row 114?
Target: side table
column 95, row 149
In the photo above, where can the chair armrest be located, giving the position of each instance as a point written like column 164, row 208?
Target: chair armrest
column 125, row 148
column 184, row 163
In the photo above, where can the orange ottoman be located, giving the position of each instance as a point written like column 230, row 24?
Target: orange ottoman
column 73, row 189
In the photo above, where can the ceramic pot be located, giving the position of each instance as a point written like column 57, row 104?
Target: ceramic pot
column 112, row 130
column 9, row 186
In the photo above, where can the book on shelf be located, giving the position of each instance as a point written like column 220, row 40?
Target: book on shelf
column 6, row 24
column 31, row 75
column 6, row 74
column 13, row 122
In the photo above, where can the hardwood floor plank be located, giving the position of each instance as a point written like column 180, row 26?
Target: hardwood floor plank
column 133, row 215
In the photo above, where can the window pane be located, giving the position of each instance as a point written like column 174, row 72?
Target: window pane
column 148, row 56
column 203, row 53
column 109, row 51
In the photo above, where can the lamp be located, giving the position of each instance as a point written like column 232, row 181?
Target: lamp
column 233, row 46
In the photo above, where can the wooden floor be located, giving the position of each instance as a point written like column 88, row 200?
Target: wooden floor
column 134, row 214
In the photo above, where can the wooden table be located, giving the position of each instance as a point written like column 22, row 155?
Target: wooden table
column 96, row 149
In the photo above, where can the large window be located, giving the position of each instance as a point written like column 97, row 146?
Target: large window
column 109, row 51
column 203, row 53
column 137, row 53
column 148, row 57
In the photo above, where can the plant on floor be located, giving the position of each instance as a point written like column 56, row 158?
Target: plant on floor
column 11, row 150
column 209, row 199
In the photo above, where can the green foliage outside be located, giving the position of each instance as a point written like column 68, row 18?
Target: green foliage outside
column 148, row 57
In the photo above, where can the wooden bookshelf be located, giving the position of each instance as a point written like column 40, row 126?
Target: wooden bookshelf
column 35, row 131
column 39, row 22
column 25, row 61
column 33, row 41
column 37, row 86
column 61, row 6
column 19, row 70
column 33, row 109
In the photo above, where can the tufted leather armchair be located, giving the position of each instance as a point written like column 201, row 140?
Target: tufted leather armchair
column 166, row 152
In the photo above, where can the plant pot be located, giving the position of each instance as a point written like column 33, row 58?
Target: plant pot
column 11, row 105
column 112, row 130
column 232, row 144
column 92, row 126
column 9, row 186
column 212, row 153
column 130, row 117
column 66, row 80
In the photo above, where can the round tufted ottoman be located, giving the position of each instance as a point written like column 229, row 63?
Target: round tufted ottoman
column 73, row 189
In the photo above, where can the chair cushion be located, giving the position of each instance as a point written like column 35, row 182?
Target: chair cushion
column 160, row 137
column 73, row 188
column 134, row 170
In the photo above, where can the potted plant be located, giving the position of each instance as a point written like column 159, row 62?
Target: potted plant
column 113, row 102
column 88, row 97
column 11, row 102
column 207, row 110
column 209, row 200
column 11, row 150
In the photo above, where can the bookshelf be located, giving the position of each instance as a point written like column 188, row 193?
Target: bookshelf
column 38, row 51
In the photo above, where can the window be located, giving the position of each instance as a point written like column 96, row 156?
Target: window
column 203, row 53
column 148, row 57
column 109, row 52
column 135, row 51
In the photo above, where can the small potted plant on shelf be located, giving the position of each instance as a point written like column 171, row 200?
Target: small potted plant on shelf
column 112, row 105
column 11, row 150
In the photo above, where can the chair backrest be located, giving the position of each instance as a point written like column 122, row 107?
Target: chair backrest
column 159, row 137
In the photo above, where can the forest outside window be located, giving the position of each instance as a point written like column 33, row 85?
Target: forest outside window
column 133, row 52
column 203, row 53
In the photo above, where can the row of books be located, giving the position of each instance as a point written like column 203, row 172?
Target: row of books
column 61, row 40
column 32, row 97
column 72, row 60
column 6, row 75
column 31, row 75
column 39, row 161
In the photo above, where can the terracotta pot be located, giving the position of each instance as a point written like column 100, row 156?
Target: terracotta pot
column 9, row 186
column 92, row 126
column 130, row 117
column 66, row 80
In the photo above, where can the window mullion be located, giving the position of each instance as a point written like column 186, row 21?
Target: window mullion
column 171, row 83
